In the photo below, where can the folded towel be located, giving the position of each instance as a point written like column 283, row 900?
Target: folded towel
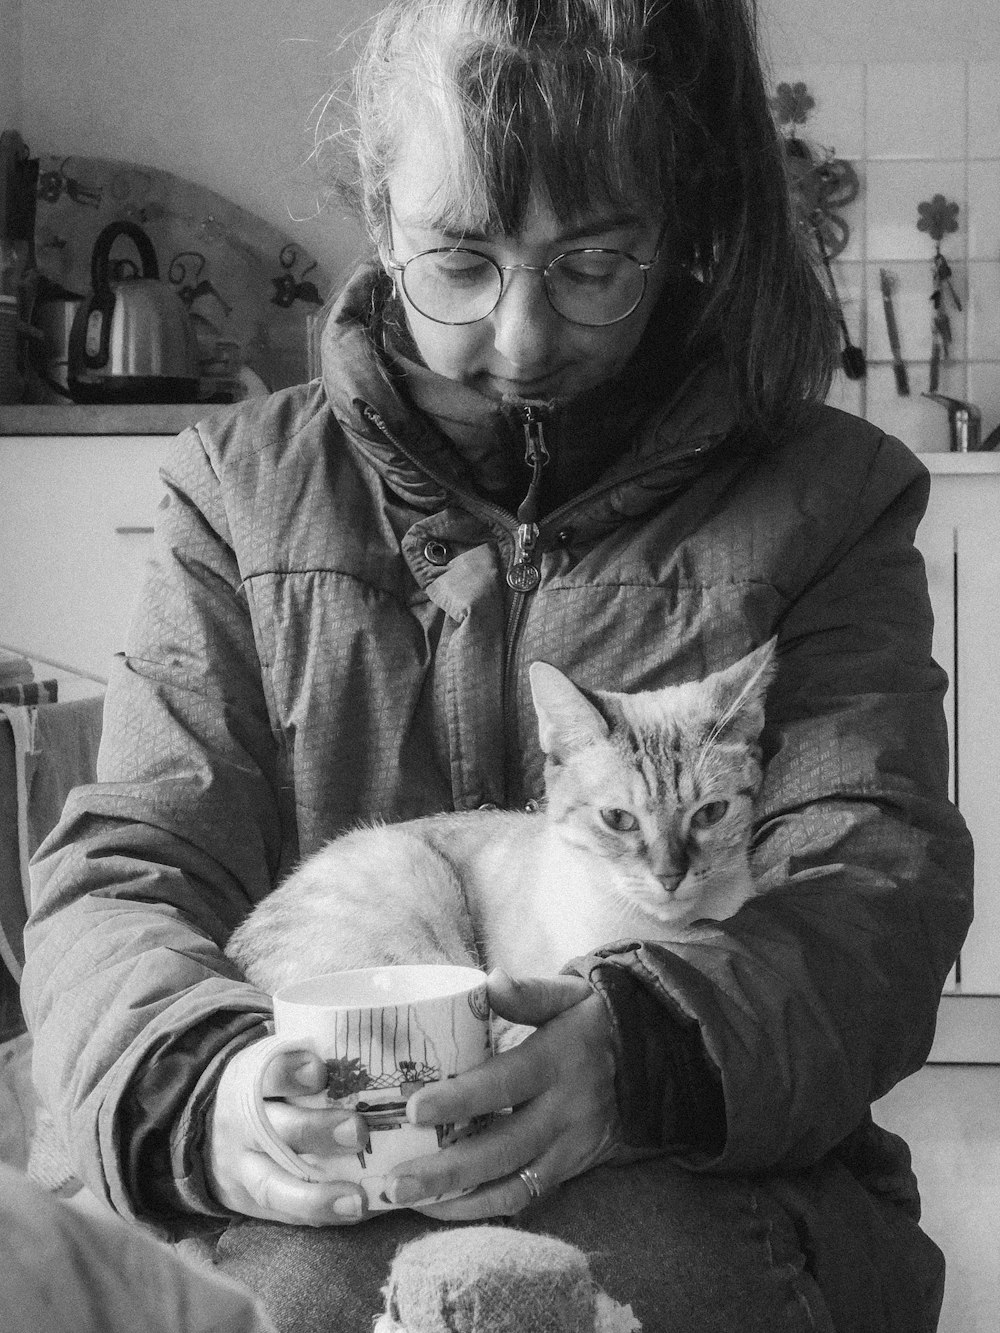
column 45, row 752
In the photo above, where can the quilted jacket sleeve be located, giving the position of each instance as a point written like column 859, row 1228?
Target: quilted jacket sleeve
column 124, row 970
column 821, row 994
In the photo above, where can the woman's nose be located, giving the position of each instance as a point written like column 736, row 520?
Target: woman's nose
column 524, row 322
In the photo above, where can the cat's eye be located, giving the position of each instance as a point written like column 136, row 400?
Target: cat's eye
column 708, row 814
column 619, row 820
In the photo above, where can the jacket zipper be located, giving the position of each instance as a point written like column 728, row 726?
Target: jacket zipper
column 523, row 575
column 486, row 508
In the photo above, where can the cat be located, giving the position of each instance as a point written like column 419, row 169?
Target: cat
column 644, row 829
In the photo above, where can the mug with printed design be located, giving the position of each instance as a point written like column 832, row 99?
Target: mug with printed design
column 383, row 1033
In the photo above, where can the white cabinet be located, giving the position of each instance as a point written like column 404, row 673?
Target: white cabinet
column 76, row 514
column 960, row 541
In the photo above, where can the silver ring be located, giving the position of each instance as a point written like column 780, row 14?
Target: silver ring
column 530, row 1177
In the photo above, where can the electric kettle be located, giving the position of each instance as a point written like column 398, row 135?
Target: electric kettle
column 132, row 340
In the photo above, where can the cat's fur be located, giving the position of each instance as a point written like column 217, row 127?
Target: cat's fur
column 528, row 892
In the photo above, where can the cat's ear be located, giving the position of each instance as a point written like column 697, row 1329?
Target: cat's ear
column 567, row 720
column 739, row 692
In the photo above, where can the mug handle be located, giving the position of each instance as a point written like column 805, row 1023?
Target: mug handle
column 252, row 1096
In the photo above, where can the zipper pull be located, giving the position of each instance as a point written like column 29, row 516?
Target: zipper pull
column 536, row 453
column 523, row 575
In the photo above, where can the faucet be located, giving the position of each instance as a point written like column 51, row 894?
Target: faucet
column 965, row 426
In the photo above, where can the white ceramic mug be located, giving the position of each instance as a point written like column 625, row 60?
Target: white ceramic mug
column 384, row 1032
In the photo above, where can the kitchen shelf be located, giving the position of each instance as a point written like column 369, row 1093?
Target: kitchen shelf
column 101, row 419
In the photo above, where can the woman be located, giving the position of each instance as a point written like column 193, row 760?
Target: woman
column 568, row 414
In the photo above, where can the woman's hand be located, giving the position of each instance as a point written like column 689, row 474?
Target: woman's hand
column 560, row 1083
column 240, row 1173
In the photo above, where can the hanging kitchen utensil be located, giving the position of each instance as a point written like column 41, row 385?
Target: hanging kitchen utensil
column 938, row 216
column 132, row 340
column 852, row 357
column 888, row 282
column 820, row 185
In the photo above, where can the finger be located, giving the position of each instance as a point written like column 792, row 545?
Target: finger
column 274, row 1194
column 556, row 1145
column 509, row 1079
column 504, row 1197
column 497, row 1198
column 534, row 1000
column 488, row 1156
column 294, row 1074
column 324, row 1131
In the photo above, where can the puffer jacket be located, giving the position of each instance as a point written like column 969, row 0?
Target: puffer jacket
column 328, row 633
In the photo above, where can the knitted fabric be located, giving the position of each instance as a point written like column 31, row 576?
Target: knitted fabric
column 487, row 1279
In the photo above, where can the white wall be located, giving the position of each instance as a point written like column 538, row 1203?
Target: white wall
column 10, row 64
column 221, row 91
column 843, row 31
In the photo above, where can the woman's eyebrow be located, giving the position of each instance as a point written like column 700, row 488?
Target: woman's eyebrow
column 591, row 227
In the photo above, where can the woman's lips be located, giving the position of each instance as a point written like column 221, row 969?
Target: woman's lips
column 542, row 386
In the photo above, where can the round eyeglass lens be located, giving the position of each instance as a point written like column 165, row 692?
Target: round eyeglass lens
column 592, row 287
column 452, row 286
column 595, row 286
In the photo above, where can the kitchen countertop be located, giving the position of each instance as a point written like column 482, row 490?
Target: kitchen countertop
column 101, row 419
column 944, row 462
column 171, row 418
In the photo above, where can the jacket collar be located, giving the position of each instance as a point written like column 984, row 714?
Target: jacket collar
column 646, row 434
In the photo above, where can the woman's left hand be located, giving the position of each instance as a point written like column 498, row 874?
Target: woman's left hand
column 559, row 1082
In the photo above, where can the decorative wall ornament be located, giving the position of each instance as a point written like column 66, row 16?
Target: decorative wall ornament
column 821, row 185
column 938, row 217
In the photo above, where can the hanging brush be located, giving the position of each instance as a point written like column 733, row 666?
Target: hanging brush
column 852, row 358
column 887, row 282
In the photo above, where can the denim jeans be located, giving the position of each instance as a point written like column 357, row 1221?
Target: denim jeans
column 692, row 1253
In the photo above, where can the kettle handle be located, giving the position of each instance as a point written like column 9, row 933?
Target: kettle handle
column 100, row 260
column 101, row 302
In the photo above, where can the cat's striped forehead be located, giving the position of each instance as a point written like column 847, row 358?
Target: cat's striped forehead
column 673, row 752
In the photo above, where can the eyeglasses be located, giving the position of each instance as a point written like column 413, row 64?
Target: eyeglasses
column 592, row 286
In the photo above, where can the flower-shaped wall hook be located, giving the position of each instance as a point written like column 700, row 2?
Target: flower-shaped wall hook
column 938, row 217
column 792, row 103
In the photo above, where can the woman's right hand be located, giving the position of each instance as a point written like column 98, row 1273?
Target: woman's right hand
column 245, row 1178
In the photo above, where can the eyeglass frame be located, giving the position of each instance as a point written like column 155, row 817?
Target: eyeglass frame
column 394, row 266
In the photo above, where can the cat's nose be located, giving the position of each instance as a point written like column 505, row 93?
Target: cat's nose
column 669, row 861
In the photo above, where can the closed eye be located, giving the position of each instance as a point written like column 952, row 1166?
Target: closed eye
column 708, row 814
column 619, row 820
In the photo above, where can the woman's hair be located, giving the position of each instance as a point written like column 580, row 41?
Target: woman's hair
column 659, row 104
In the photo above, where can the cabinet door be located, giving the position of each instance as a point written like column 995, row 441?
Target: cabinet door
column 77, row 512
column 938, row 543
column 977, row 753
column 959, row 541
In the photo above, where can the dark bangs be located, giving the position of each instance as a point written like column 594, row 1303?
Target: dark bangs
column 579, row 125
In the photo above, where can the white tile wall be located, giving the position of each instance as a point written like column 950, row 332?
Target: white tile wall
column 913, row 131
column 984, row 110
column 916, row 111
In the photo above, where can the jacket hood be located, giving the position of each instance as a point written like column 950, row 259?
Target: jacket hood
column 629, row 439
